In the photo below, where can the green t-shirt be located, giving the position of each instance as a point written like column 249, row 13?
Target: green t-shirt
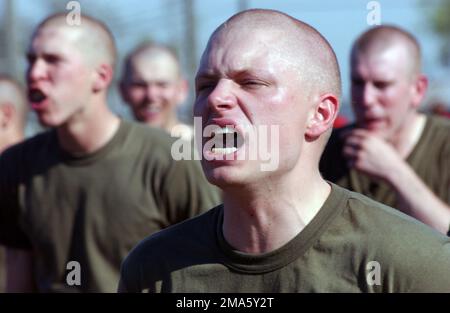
column 94, row 209
column 430, row 159
column 335, row 252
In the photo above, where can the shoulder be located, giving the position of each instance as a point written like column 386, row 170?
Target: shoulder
column 147, row 143
column 180, row 237
column 435, row 144
column 383, row 221
column 439, row 128
column 412, row 251
column 35, row 143
column 29, row 153
column 170, row 249
column 148, row 136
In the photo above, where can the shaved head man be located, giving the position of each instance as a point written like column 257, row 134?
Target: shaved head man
column 153, row 86
column 285, row 229
column 393, row 153
column 74, row 200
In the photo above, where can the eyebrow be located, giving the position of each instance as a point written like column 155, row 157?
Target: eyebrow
column 211, row 75
column 205, row 76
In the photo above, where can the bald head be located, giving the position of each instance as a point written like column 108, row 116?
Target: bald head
column 382, row 38
column 92, row 37
column 295, row 41
column 13, row 104
column 151, row 55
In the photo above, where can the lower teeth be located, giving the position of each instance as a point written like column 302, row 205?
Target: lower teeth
column 224, row 150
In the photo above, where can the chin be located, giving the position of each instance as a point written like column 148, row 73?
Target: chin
column 52, row 120
column 231, row 177
column 47, row 121
column 219, row 176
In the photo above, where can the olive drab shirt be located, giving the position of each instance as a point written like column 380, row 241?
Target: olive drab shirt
column 353, row 244
column 92, row 210
column 430, row 159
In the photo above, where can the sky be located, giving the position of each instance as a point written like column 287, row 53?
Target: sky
column 340, row 21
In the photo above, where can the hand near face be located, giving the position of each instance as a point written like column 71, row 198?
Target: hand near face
column 370, row 154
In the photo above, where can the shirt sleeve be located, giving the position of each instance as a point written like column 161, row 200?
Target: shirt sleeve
column 431, row 275
column 423, row 264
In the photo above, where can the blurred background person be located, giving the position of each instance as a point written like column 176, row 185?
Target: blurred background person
column 93, row 185
column 154, row 88
column 393, row 153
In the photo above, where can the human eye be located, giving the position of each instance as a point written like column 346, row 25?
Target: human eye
column 138, row 84
column 203, row 85
column 162, row 84
column 252, row 83
column 381, row 84
column 52, row 58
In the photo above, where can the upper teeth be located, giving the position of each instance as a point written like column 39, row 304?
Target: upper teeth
column 224, row 130
column 224, row 150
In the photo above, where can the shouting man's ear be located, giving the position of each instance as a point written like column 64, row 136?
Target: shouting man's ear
column 103, row 77
column 419, row 87
column 322, row 116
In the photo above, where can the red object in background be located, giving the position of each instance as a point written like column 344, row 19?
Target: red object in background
column 440, row 109
column 443, row 114
column 340, row 121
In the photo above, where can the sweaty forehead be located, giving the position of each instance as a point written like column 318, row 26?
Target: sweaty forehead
column 236, row 49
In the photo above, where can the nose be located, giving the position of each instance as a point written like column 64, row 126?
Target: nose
column 222, row 97
column 36, row 70
column 152, row 92
column 369, row 95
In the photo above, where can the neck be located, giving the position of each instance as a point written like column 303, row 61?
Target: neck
column 408, row 136
column 267, row 215
column 171, row 123
column 88, row 131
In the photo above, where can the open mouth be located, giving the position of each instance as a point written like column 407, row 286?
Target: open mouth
column 36, row 96
column 226, row 140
